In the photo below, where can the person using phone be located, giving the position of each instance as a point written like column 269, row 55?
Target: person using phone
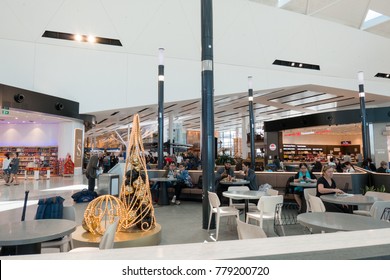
column 302, row 176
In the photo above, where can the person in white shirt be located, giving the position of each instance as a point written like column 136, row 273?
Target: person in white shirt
column 6, row 169
column 348, row 167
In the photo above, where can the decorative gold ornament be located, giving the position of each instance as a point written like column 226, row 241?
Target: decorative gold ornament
column 135, row 189
column 103, row 211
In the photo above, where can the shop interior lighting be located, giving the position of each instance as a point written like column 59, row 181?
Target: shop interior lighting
column 383, row 75
column 81, row 38
column 296, row 64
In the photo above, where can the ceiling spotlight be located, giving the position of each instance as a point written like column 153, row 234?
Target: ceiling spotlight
column 59, row 106
column 292, row 63
column 19, row 98
column 388, row 75
column 91, row 39
column 78, row 37
column 300, row 65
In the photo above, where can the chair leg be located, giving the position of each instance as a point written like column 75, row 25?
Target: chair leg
column 211, row 215
column 217, row 227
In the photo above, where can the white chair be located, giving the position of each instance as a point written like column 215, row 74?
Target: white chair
column 224, row 211
column 106, row 242
column 386, row 214
column 375, row 211
column 266, row 207
column 306, row 192
column 65, row 243
column 316, row 204
column 240, row 206
column 272, row 192
column 248, row 231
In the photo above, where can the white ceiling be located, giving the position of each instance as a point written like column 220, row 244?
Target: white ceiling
column 348, row 12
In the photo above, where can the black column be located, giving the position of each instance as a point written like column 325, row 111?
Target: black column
column 208, row 150
column 251, row 123
column 161, row 110
column 366, row 145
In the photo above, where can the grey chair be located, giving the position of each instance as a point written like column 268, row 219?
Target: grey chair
column 386, row 214
column 65, row 243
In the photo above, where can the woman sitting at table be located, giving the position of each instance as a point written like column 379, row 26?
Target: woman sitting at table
column 326, row 185
column 303, row 176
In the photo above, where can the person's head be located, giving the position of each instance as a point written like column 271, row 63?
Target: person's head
column 181, row 167
column 7, row 155
column 327, row 171
column 246, row 165
column 347, row 164
column 383, row 164
column 228, row 164
column 331, row 159
column 369, row 160
column 303, row 167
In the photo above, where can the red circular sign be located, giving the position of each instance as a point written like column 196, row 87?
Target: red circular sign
column 272, row 147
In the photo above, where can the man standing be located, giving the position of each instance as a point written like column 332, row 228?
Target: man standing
column 92, row 171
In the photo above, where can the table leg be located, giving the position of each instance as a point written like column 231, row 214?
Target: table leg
column 246, row 208
column 163, row 194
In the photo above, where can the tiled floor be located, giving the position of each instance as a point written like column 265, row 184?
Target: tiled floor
column 180, row 223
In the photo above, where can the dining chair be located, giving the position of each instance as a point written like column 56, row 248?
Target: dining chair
column 266, row 209
column 106, row 242
column 272, row 192
column 386, row 214
column 248, row 231
column 375, row 211
column 66, row 242
column 240, row 206
column 286, row 221
column 219, row 211
column 306, row 192
column 316, row 204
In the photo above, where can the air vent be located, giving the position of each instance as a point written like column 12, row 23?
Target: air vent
column 296, row 64
column 81, row 38
column 113, row 114
column 382, row 75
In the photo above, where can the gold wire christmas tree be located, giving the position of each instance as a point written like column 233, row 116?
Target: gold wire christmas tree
column 135, row 190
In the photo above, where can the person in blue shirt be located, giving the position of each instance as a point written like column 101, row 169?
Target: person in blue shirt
column 302, row 176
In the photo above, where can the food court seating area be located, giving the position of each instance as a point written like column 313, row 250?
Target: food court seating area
column 354, row 181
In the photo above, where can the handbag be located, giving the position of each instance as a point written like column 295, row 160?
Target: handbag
column 84, row 196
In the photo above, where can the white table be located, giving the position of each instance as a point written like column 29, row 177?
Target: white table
column 26, row 237
column 246, row 195
column 235, row 182
column 350, row 200
column 333, row 221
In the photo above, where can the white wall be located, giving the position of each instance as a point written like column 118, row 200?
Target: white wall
column 29, row 135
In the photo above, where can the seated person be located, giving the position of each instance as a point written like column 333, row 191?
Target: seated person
column 348, row 168
column 249, row 175
column 225, row 172
column 317, row 166
column 183, row 181
column 382, row 168
column 326, row 185
column 303, row 175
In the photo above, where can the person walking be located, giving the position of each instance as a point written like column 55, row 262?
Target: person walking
column 14, row 168
column 6, row 170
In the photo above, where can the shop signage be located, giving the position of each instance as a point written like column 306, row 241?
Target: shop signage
column 346, row 142
column 272, row 147
column 4, row 112
column 78, row 147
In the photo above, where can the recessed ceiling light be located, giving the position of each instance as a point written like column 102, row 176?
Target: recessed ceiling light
column 383, row 75
column 91, row 39
column 296, row 64
column 78, row 37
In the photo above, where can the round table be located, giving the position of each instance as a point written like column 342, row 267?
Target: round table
column 25, row 237
column 235, row 182
column 246, row 195
column 333, row 221
column 163, row 198
column 350, row 200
